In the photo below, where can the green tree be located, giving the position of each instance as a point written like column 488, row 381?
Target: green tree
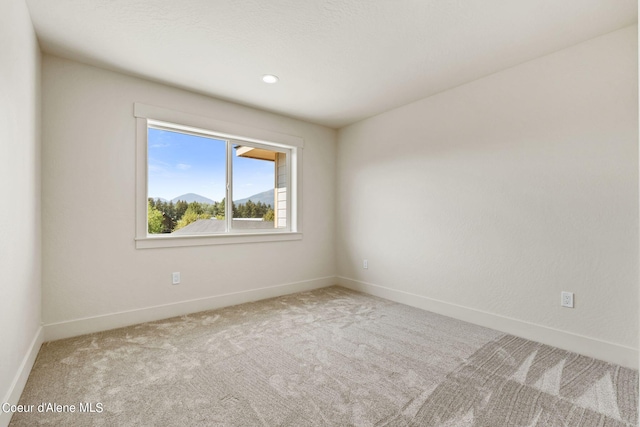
column 269, row 215
column 154, row 219
column 250, row 209
column 180, row 208
column 193, row 213
column 219, row 210
column 169, row 210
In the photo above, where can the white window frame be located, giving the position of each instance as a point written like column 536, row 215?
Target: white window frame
column 157, row 117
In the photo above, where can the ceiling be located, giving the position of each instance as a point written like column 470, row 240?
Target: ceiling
column 339, row 61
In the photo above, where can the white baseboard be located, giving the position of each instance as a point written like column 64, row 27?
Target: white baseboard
column 76, row 327
column 609, row 352
column 20, row 380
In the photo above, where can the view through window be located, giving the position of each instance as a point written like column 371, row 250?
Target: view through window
column 191, row 176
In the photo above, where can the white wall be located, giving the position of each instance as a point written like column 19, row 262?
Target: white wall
column 487, row 200
column 90, row 265
column 20, row 193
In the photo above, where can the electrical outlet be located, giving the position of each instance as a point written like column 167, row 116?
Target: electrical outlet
column 365, row 263
column 566, row 299
column 175, row 278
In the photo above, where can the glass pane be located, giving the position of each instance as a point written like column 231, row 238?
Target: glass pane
column 259, row 191
column 185, row 184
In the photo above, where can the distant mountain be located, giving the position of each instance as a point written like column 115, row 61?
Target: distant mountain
column 192, row 197
column 265, row 197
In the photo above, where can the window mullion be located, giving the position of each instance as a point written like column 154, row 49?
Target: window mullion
column 289, row 191
column 229, row 189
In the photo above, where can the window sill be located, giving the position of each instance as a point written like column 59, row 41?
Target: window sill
column 222, row 239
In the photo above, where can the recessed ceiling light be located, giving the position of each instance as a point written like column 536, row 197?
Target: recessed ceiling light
column 270, row 78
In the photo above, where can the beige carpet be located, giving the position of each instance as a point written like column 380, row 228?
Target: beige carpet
column 330, row 357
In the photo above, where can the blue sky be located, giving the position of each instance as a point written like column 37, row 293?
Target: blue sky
column 180, row 164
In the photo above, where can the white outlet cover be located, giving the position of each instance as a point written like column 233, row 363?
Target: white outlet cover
column 175, row 278
column 566, row 299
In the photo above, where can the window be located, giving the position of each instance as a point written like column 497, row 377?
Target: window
column 190, row 167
